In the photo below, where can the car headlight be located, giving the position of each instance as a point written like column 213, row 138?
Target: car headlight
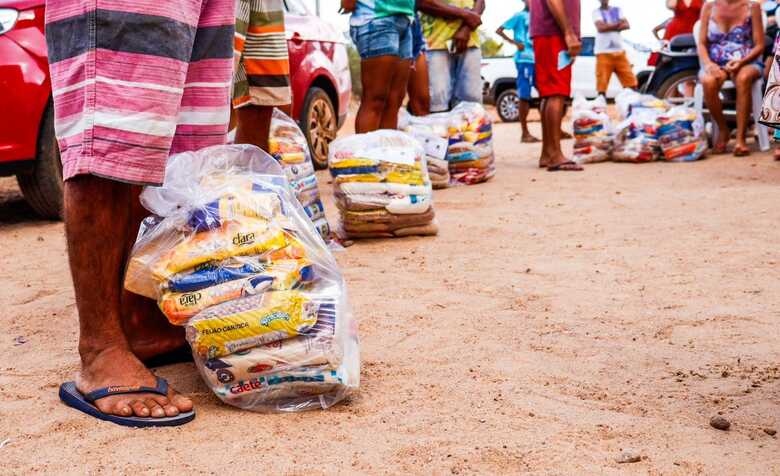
column 7, row 19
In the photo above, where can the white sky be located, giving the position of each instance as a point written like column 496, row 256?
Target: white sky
column 642, row 14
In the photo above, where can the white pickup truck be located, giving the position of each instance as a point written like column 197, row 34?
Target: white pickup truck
column 499, row 77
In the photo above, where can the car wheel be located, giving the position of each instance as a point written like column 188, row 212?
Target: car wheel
column 320, row 124
column 42, row 188
column 508, row 106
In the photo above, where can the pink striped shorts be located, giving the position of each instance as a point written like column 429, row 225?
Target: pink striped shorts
column 137, row 80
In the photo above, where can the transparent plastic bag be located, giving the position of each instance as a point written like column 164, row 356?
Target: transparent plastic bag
column 468, row 130
column 382, row 186
column 230, row 253
column 681, row 135
column 629, row 101
column 592, row 131
column 431, row 132
column 288, row 145
column 637, row 137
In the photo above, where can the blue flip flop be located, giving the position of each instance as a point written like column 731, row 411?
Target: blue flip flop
column 72, row 397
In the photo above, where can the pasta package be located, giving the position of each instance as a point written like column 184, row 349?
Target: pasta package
column 231, row 254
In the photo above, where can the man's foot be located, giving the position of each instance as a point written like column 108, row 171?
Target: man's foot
column 529, row 139
column 566, row 135
column 565, row 166
column 115, row 366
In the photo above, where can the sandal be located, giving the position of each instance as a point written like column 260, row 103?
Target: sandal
column 719, row 149
column 567, row 166
column 741, row 151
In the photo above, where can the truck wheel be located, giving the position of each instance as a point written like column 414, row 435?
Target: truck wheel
column 319, row 124
column 508, row 106
column 42, row 188
column 672, row 89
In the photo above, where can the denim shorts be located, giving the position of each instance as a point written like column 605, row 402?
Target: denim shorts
column 457, row 78
column 386, row 36
column 418, row 40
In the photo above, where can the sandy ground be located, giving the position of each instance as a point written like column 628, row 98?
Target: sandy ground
column 557, row 320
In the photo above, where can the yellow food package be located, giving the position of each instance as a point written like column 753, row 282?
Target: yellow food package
column 249, row 322
column 248, row 236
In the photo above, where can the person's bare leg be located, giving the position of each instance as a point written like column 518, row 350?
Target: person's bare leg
column 711, row 85
column 552, row 118
column 544, row 160
column 148, row 332
column 254, row 125
column 376, row 90
column 97, row 213
column 744, row 83
column 396, row 96
column 419, row 90
column 526, row 136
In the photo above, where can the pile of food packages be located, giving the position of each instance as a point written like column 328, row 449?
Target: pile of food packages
column 230, row 253
column 650, row 129
column 381, row 185
column 468, row 131
column 288, row 145
column 593, row 137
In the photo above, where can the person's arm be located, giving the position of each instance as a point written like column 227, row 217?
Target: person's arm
column 501, row 32
column 704, row 55
column 671, row 4
column 437, row 8
column 558, row 12
column 623, row 24
column 479, row 7
column 758, row 41
column 658, row 29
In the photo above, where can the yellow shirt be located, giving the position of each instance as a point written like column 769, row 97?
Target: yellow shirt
column 438, row 31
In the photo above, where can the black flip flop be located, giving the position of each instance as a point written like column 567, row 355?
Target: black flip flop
column 562, row 167
column 73, row 398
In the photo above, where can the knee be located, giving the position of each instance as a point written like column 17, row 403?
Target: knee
column 710, row 83
column 745, row 79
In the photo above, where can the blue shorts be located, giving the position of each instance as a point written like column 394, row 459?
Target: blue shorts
column 525, row 80
column 386, row 36
column 418, row 40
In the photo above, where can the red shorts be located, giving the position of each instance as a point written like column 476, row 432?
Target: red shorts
column 549, row 80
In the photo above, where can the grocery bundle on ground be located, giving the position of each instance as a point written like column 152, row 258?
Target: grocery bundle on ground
column 382, row 186
column 230, row 253
column 468, row 131
column 649, row 129
column 288, row 145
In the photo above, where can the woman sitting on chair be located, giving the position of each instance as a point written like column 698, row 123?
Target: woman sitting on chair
column 731, row 42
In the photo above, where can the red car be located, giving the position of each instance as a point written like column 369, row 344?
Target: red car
column 319, row 74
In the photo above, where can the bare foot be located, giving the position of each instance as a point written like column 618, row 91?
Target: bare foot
column 724, row 137
column 741, row 150
column 565, row 135
column 529, row 139
column 115, row 366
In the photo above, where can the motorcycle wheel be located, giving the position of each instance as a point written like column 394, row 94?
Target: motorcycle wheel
column 674, row 88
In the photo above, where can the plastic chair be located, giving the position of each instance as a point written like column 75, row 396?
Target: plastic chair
column 757, row 94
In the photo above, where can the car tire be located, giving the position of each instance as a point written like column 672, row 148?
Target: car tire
column 43, row 187
column 319, row 122
column 508, row 106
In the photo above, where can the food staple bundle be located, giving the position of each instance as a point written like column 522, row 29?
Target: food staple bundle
column 637, row 139
column 230, row 254
column 629, row 101
column 592, row 131
column 382, row 186
column 681, row 135
column 468, row 131
column 288, row 145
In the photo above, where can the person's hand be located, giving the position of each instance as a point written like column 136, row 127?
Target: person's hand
column 520, row 46
column 732, row 67
column 348, row 6
column 573, row 44
column 460, row 40
column 472, row 19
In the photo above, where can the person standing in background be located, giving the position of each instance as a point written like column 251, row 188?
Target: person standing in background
column 520, row 25
column 382, row 32
column 454, row 55
column 555, row 30
column 610, row 55
column 418, row 88
column 261, row 78
column 686, row 14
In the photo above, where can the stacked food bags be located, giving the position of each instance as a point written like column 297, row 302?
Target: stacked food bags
column 468, row 131
column 470, row 154
column 629, row 101
column 230, row 254
column 381, row 185
column 432, row 133
column 637, row 139
column 288, row 145
column 681, row 135
column 592, row 130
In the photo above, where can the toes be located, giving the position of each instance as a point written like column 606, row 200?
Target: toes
column 181, row 402
column 120, row 407
column 155, row 409
column 171, row 410
column 139, row 408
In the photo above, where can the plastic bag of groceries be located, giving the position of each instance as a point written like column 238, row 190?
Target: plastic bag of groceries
column 431, row 132
column 288, row 145
column 470, row 154
column 230, row 253
column 637, row 137
column 629, row 101
column 381, row 185
column 681, row 135
column 592, row 130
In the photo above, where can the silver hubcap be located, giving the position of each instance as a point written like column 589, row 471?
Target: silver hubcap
column 510, row 107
